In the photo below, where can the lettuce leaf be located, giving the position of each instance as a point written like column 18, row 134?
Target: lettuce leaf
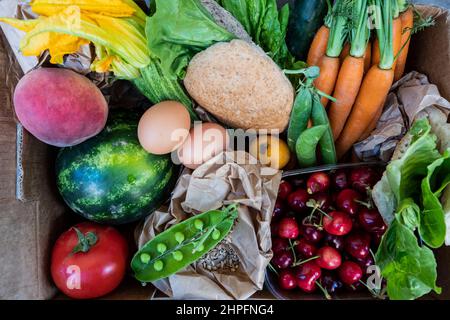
column 178, row 30
column 410, row 269
column 406, row 174
column 265, row 24
column 432, row 228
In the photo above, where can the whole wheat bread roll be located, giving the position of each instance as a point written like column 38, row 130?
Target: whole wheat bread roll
column 240, row 85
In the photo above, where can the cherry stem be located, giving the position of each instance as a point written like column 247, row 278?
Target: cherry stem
column 298, row 263
column 293, row 250
column 272, row 268
column 368, row 205
column 325, row 292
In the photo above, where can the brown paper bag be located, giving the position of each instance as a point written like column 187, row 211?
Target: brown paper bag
column 235, row 268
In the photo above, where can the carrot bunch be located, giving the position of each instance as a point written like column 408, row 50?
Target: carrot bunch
column 358, row 72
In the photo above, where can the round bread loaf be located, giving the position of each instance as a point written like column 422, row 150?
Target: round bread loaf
column 241, row 86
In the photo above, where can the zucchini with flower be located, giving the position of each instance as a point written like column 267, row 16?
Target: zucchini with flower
column 116, row 28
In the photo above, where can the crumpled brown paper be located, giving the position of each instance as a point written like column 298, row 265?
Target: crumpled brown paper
column 409, row 99
column 241, row 259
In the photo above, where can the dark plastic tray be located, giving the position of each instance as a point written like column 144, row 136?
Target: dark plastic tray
column 270, row 278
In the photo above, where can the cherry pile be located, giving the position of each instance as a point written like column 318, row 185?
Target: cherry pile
column 325, row 230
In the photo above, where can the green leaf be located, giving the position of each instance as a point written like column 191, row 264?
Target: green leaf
column 265, row 24
column 409, row 214
column 410, row 270
column 178, row 30
column 433, row 228
column 406, row 174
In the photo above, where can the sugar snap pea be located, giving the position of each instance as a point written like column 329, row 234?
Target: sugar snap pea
column 307, row 144
column 182, row 244
column 326, row 143
column 301, row 112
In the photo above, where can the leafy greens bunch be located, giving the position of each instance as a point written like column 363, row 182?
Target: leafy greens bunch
column 413, row 186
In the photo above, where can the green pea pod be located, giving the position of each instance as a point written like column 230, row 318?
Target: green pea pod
column 307, row 144
column 326, row 143
column 182, row 244
column 301, row 112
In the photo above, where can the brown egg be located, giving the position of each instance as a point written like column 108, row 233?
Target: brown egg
column 164, row 127
column 205, row 141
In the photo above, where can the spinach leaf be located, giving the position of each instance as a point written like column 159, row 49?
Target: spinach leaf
column 265, row 24
column 178, row 30
column 410, row 270
column 432, row 228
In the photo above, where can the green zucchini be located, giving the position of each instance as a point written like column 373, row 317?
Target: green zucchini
column 307, row 16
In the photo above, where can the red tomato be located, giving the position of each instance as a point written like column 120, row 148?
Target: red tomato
column 96, row 268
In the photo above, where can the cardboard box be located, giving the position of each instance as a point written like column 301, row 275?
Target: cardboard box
column 33, row 214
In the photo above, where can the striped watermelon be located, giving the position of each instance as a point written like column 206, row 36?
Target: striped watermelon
column 110, row 178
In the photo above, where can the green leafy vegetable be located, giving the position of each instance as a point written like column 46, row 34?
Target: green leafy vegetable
column 411, row 168
column 409, row 214
column 265, row 24
column 410, row 269
column 178, row 30
column 433, row 229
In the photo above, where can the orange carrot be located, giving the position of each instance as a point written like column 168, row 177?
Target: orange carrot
column 346, row 90
column 345, row 52
column 376, row 56
column 368, row 57
column 329, row 69
column 397, row 37
column 407, row 18
column 374, row 89
column 372, row 126
column 318, row 46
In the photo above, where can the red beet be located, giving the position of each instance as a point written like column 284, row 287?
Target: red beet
column 318, row 182
column 59, row 106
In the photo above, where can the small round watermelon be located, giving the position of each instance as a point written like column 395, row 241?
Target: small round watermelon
column 110, row 178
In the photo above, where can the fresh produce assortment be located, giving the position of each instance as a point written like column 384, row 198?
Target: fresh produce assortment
column 237, row 64
column 326, row 230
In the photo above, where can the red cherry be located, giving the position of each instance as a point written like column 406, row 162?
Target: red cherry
column 337, row 223
column 363, row 178
column 347, row 201
column 307, row 274
column 318, row 182
column 350, row 272
column 288, row 228
column 279, row 245
column 287, row 280
column 329, row 258
column 297, row 200
column 333, row 241
column 371, row 221
column 305, row 249
column 358, row 245
column 323, row 200
column 311, row 233
column 278, row 209
column 340, row 180
column 284, row 190
column 283, row 259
